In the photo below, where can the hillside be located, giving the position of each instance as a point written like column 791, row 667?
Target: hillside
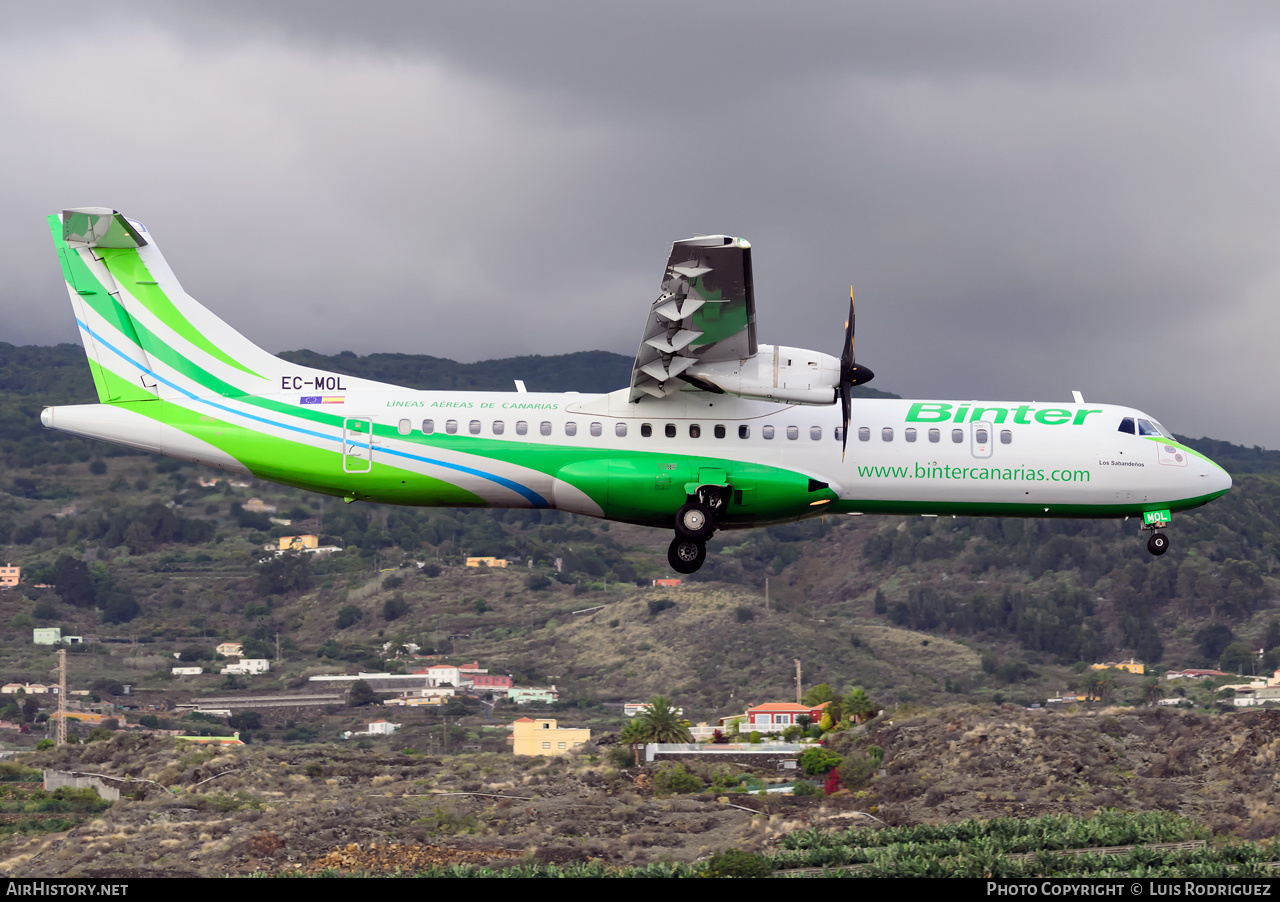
column 919, row 610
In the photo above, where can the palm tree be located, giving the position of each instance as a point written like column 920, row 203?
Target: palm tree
column 1152, row 690
column 858, row 704
column 661, row 723
column 634, row 735
column 817, row 695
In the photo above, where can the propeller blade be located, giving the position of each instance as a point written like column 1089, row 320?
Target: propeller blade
column 845, row 409
column 846, row 355
column 850, row 375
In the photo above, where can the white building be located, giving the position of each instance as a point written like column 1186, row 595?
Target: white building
column 248, row 666
column 440, row 674
column 377, row 728
column 187, row 671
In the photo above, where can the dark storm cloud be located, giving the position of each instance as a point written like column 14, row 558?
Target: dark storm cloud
column 1028, row 198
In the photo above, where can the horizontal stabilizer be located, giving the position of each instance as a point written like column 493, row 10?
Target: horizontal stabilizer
column 99, row 227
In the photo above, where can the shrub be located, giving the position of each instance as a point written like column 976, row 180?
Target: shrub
column 658, row 605
column 737, row 863
column 348, row 615
column 675, row 779
column 806, row 788
column 537, row 582
column 856, row 771
column 744, row 613
column 818, row 761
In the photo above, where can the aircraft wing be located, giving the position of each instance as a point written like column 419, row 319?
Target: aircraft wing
column 705, row 312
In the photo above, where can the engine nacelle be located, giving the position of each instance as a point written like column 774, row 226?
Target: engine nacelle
column 775, row 373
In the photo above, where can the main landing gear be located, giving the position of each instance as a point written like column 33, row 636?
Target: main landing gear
column 695, row 525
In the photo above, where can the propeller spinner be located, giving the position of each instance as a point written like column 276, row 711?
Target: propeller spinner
column 850, row 375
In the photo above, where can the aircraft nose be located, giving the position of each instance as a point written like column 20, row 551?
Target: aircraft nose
column 1219, row 479
column 46, row 418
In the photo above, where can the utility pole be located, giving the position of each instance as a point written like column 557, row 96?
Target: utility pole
column 798, row 681
column 62, row 696
column 766, row 594
column 277, row 646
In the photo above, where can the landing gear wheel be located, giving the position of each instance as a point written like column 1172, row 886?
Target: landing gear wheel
column 695, row 521
column 1158, row 544
column 686, row 555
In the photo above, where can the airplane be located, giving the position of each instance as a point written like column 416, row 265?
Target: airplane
column 715, row 431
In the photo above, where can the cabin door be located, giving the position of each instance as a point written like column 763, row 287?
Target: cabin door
column 981, row 438
column 357, row 445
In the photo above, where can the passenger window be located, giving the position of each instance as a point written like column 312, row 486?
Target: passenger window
column 981, row 436
column 474, row 427
column 428, row 427
column 597, row 430
column 646, row 430
column 522, row 427
column 499, row 427
column 839, row 433
column 935, row 435
column 670, row 430
column 451, row 426
column 1006, row 437
column 719, row 431
column 864, row 433
column 570, row 428
column 886, row 434
column 909, row 433
column 695, row 431
column 620, row 430
column 815, row 433
column 1126, row 425
column 767, row 432
column 544, row 427
column 957, row 435
column 744, row 432
column 404, row 427
column 793, row 432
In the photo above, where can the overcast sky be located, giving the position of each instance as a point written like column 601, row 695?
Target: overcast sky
column 1028, row 198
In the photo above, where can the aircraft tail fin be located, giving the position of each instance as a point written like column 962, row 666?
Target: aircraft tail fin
column 145, row 337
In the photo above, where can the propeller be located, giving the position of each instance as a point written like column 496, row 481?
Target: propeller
column 850, row 375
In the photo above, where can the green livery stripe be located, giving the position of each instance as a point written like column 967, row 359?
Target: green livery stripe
column 317, row 469
column 1181, row 447
column 120, row 389
column 127, row 268
column 1017, row 509
column 100, row 380
column 90, row 290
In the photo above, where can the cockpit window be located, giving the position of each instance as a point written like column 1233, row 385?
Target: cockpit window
column 1126, row 425
column 1145, row 427
column 1160, row 429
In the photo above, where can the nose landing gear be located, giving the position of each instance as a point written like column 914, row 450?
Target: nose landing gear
column 1158, row 544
